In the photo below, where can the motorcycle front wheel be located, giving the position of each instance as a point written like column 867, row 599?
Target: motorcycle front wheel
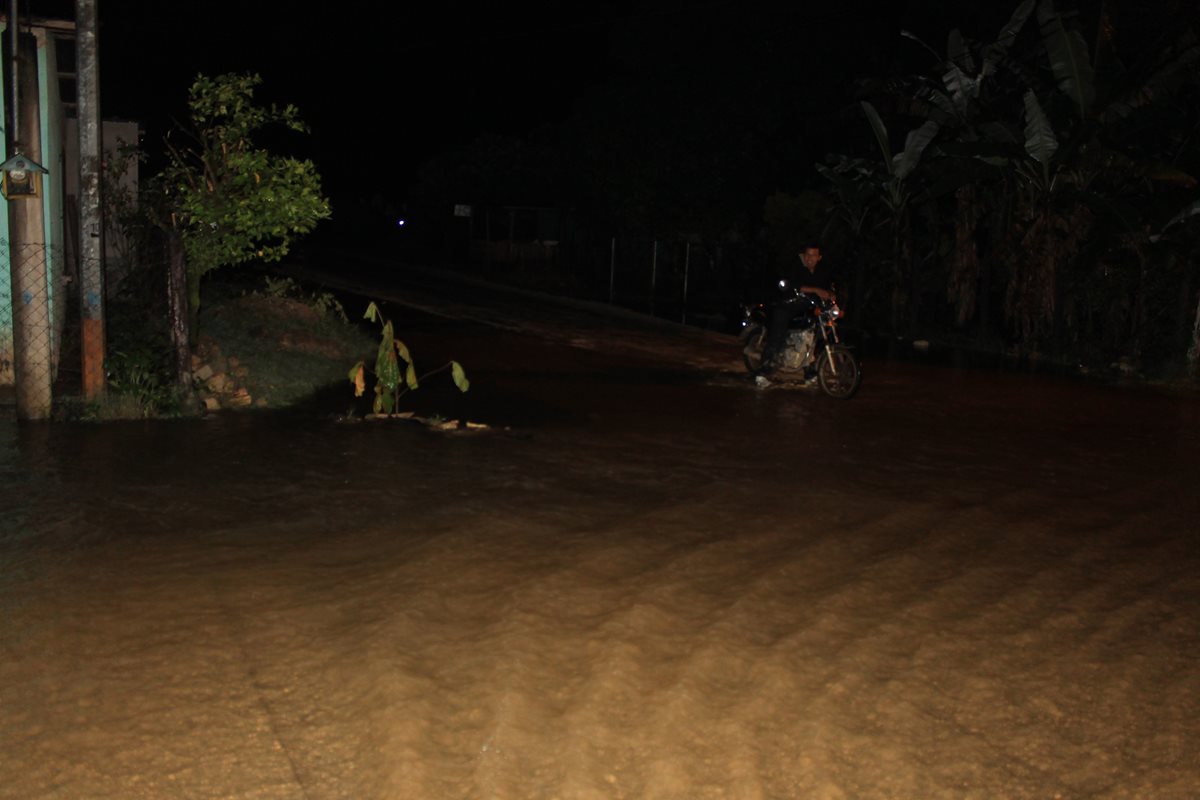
column 838, row 373
column 754, row 339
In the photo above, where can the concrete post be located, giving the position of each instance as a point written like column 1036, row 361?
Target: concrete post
column 32, row 332
column 91, row 217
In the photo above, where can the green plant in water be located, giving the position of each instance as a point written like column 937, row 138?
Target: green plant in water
column 141, row 377
column 395, row 372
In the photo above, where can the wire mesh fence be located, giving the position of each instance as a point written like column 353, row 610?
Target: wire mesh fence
column 693, row 282
column 32, row 317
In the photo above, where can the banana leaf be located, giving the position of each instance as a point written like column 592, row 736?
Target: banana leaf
column 1069, row 60
column 914, row 145
column 961, row 86
column 1040, row 141
column 1172, row 72
column 994, row 53
column 936, row 97
column 907, row 34
column 1190, row 210
column 958, row 52
column 881, row 134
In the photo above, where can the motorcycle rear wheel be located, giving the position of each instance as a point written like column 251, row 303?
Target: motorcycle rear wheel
column 754, row 339
column 838, row 373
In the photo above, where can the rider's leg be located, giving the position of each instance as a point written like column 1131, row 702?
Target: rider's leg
column 777, row 328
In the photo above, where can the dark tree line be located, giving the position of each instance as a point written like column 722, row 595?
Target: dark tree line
column 1042, row 191
column 1028, row 182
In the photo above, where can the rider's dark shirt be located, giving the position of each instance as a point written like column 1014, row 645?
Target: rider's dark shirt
column 786, row 304
column 820, row 277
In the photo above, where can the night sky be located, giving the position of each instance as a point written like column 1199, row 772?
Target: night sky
column 386, row 86
column 386, row 77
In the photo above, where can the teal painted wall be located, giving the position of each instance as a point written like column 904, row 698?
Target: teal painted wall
column 6, row 305
column 50, row 124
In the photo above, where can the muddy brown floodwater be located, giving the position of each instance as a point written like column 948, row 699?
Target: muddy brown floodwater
column 642, row 581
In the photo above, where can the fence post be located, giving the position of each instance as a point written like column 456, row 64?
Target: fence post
column 687, row 261
column 612, row 267
column 653, row 275
column 180, row 314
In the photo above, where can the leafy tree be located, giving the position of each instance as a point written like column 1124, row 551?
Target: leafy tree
column 229, row 199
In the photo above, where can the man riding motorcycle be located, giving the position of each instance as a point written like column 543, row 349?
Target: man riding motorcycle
column 808, row 277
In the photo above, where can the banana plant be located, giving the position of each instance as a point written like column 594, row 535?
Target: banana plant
column 895, row 192
column 1086, row 156
column 1067, row 158
column 978, row 145
column 852, row 180
column 1187, row 218
column 395, row 370
column 854, row 184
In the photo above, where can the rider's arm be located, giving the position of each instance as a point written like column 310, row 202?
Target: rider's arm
column 824, row 294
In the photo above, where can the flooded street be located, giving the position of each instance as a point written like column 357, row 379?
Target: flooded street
column 645, row 579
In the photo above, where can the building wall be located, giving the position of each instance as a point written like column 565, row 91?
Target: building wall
column 51, row 110
column 114, row 134
column 50, row 128
column 7, row 352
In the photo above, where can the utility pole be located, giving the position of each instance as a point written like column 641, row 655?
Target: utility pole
column 91, row 216
column 32, row 333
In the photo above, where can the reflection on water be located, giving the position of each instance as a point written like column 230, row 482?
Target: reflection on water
column 155, row 476
column 682, row 587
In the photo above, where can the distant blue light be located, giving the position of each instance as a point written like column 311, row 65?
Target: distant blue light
column 400, row 223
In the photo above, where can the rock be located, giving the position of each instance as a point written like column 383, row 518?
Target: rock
column 212, row 404
column 203, row 372
column 239, row 399
column 217, row 383
column 1125, row 365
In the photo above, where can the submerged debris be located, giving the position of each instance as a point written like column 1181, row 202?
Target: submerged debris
column 433, row 423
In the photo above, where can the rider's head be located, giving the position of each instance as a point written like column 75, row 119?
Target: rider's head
column 810, row 255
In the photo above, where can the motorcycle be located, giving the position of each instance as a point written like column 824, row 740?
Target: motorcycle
column 812, row 348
